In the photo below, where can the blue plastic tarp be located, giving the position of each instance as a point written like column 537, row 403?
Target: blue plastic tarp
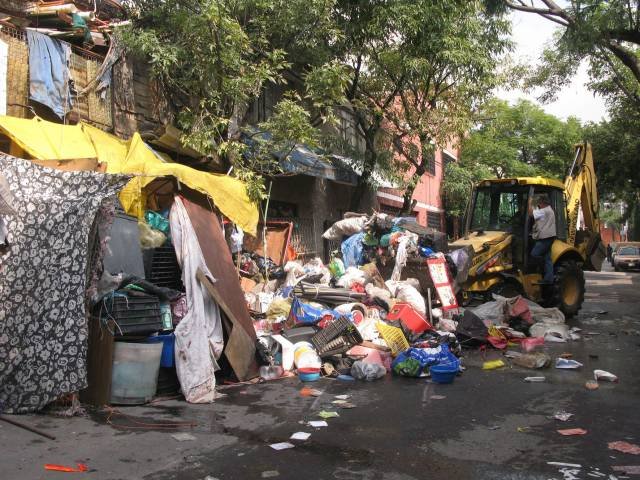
column 352, row 250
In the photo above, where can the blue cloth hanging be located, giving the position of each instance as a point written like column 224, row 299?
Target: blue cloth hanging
column 49, row 78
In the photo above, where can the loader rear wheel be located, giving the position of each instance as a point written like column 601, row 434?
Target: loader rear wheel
column 568, row 287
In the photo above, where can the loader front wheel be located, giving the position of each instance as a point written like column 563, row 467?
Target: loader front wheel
column 568, row 287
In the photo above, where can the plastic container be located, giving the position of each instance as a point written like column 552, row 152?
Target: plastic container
column 338, row 337
column 134, row 377
column 305, row 356
column 309, row 374
column 165, row 316
column 134, row 315
column 394, row 338
column 409, row 318
column 443, row 373
column 168, row 348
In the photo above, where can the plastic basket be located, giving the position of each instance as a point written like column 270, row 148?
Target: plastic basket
column 338, row 337
column 394, row 337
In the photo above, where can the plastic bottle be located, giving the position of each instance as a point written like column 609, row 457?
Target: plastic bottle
column 271, row 372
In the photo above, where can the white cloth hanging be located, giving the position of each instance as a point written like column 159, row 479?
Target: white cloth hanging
column 199, row 340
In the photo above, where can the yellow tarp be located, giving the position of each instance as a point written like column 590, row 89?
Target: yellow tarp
column 52, row 141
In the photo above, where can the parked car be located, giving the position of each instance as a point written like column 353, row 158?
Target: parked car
column 627, row 258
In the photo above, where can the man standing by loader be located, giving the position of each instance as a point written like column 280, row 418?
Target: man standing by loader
column 544, row 233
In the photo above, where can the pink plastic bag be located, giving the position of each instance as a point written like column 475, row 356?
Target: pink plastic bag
column 529, row 344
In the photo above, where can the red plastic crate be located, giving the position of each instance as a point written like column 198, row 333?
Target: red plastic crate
column 409, row 318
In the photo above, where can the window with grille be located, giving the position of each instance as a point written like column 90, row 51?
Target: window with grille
column 433, row 220
column 431, row 160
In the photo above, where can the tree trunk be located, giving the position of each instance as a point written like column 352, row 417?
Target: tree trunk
column 370, row 158
column 407, row 202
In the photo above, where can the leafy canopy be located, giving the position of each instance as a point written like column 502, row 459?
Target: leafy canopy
column 510, row 141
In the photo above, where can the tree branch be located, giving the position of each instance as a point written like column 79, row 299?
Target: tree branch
column 628, row 58
column 549, row 14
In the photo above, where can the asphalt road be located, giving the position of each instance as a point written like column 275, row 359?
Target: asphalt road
column 486, row 425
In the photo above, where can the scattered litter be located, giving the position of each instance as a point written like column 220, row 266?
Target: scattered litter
column 211, row 477
column 81, row 467
column 523, row 429
column 282, row 445
column 339, row 402
column 591, row 385
column 534, row 379
column 562, row 464
column 562, row 416
column 318, row 423
column 347, row 405
column 604, row 375
column 593, row 356
column 310, row 392
column 567, row 364
column 625, row 447
column 270, row 474
column 493, row 364
column 346, row 378
column 566, row 355
column 572, row 431
column 533, row 360
column 494, row 427
column 342, row 397
column 300, row 436
column 183, row 437
column 437, row 397
column 628, row 469
column 327, row 414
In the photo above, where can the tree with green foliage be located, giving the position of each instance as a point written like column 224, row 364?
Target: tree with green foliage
column 616, row 149
column 521, row 140
column 215, row 57
column 510, row 141
column 412, row 72
column 605, row 33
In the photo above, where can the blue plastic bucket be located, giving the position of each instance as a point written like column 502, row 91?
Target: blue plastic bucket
column 168, row 343
column 444, row 373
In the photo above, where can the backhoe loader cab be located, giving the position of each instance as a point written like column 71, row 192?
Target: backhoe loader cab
column 498, row 229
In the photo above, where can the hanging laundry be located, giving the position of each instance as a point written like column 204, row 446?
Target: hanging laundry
column 49, row 77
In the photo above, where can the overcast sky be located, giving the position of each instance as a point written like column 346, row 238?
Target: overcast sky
column 530, row 33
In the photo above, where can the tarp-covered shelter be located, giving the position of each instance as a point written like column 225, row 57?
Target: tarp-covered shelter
column 50, row 141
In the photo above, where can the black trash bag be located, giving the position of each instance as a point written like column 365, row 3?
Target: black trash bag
column 471, row 330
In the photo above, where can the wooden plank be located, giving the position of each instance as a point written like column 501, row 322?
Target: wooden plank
column 99, row 365
column 240, row 349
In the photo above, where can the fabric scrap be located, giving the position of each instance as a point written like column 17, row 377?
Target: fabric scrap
column 49, row 77
column 43, row 281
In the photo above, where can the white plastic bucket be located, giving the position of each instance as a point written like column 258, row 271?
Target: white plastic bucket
column 134, row 376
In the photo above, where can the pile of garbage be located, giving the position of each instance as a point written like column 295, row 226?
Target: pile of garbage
column 385, row 303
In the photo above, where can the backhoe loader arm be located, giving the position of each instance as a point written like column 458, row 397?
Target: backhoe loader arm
column 581, row 193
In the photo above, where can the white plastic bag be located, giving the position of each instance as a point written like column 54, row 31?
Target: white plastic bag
column 367, row 371
column 345, row 227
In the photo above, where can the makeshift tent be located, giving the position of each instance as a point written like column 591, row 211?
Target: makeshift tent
column 51, row 141
column 43, row 280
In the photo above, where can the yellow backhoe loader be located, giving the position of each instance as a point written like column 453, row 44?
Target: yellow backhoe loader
column 498, row 228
